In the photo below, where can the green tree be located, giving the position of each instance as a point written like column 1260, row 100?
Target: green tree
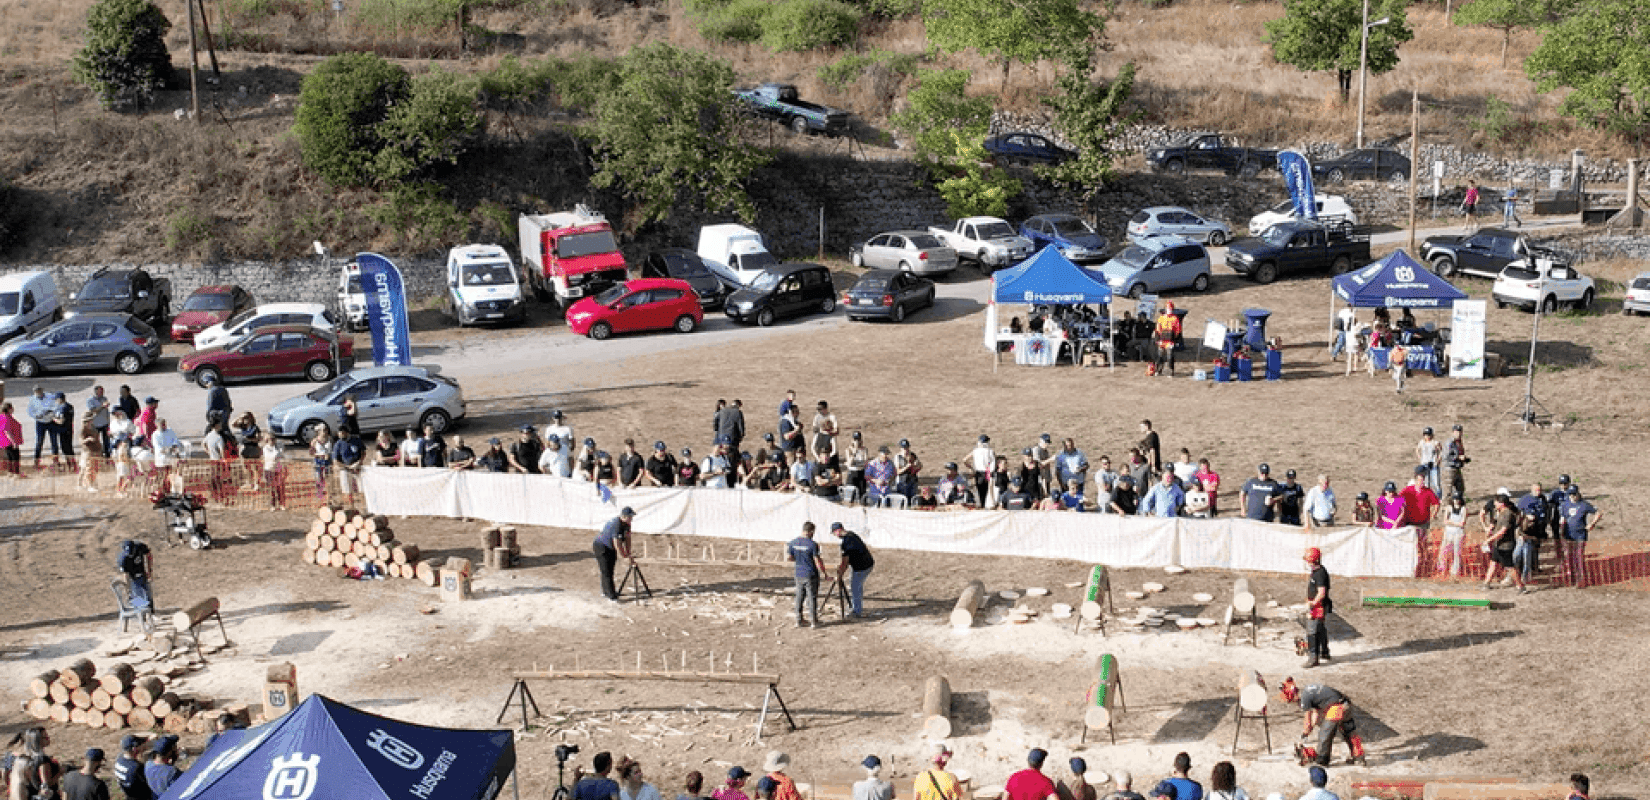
column 1602, row 53
column 1091, row 115
column 1026, row 31
column 125, row 58
column 969, row 185
column 435, row 125
column 1511, row 15
column 937, row 106
column 667, row 130
column 1323, row 36
column 341, row 106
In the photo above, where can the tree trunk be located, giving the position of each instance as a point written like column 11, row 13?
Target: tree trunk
column 1345, row 78
column 1506, row 39
column 1002, row 90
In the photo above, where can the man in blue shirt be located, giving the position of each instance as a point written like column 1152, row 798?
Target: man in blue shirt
column 1579, row 518
column 1164, row 500
column 1261, row 496
column 1070, row 464
column 162, row 770
column 612, row 544
column 129, row 768
column 346, row 456
column 598, row 786
column 809, row 566
column 1185, row 788
column 1532, row 529
column 857, row 557
column 1555, row 517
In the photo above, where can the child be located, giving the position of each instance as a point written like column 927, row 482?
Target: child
column 321, row 451
column 272, row 471
column 1072, row 499
column 91, row 444
column 1455, row 532
column 1363, row 512
column 1197, row 500
column 123, row 467
column 1396, row 361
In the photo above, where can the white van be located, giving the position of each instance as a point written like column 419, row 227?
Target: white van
column 1332, row 211
column 482, row 286
column 28, row 302
column 735, row 253
column 352, row 301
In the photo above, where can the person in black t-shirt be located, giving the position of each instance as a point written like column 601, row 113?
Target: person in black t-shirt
column 435, row 448
column 1151, row 446
column 857, row 557
column 687, row 471
column 1015, row 499
column 1318, row 606
column 525, row 452
column 661, row 466
column 631, row 466
column 1290, row 495
column 1123, row 498
column 1261, row 496
column 84, row 784
column 495, row 459
column 460, row 457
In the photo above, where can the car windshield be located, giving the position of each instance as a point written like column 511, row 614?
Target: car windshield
column 766, row 281
column 585, row 244
column 1276, row 236
column 754, row 261
column 994, row 230
column 1071, row 227
column 1638, row 283
column 240, row 318
column 330, row 389
column 1135, row 256
column 923, row 241
column 871, row 283
column 106, row 290
column 1285, row 207
column 487, row 273
column 8, row 303
column 688, row 268
column 1139, row 217
column 353, row 284
column 209, row 302
column 1520, row 274
column 612, row 295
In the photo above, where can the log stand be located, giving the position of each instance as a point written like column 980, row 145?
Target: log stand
column 839, row 591
column 191, row 618
column 1107, row 695
column 523, row 698
column 640, row 586
column 1097, row 600
column 1244, row 610
column 1251, row 704
column 520, row 692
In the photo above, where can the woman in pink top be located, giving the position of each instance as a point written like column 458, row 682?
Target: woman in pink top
column 11, row 440
column 1389, row 508
column 1211, row 483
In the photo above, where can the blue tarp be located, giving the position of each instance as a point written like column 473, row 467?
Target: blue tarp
column 1396, row 281
column 1049, row 278
column 325, row 750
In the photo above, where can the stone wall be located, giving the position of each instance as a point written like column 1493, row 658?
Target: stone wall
column 306, row 281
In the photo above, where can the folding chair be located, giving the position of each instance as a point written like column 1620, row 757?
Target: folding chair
column 123, row 598
column 893, row 500
column 846, row 494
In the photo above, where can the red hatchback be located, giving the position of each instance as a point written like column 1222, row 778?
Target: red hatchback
column 277, row 351
column 208, row 306
column 645, row 304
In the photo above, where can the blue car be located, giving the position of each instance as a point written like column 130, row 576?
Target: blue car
column 1026, row 148
column 1068, row 233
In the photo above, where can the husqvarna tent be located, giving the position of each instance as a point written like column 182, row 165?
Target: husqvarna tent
column 1396, row 281
column 325, row 750
column 1046, row 279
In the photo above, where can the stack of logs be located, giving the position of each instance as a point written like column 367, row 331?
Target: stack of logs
column 343, row 537
column 118, row 698
column 499, row 549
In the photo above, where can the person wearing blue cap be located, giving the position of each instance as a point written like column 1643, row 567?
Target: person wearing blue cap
column 129, row 768
column 766, row 787
column 1261, row 496
column 804, row 552
column 84, row 784
column 734, row 787
column 162, row 770
column 874, row 787
column 857, row 557
column 1030, row 783
column 557, row 458
column 219, row 408
column 612, row 544
column 1319, row 777
column 558, row 427
column 661, row 466
column 1080, row 789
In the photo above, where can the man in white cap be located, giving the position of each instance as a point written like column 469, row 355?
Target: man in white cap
column 935, row 783
column 1124, row 783
column 775, row 765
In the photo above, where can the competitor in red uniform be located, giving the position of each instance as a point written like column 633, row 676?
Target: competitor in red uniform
column 1329, row 712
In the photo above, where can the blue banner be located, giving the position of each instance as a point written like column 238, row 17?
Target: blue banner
column 386, row 311
column 1297, row 175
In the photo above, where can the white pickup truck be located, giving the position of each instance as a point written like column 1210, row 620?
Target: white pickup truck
column 987, row 241
column 1542, row 283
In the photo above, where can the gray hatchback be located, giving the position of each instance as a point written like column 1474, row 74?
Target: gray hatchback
column 386, row 398
column 89, row 341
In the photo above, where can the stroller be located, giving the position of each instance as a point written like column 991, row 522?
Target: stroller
column 184, row 516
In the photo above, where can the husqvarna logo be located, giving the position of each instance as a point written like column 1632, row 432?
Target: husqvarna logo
column 291, row 777
column 277, row 698
column 1404, row 274
column 398, row 752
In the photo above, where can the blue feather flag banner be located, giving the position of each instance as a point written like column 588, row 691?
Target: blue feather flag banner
column 1297, row 175
column 604, row 493
column 386, row 311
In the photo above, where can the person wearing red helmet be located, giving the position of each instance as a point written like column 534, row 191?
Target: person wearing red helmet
column 1166, row 333
column 1328, row 712
column 1318, row 607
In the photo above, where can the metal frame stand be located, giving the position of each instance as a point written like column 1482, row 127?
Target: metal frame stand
column 762, row 718
column 641, row 582
column 1265, row 721
column 1111, row 723
column 839, row 590
column 1252, row 619
column 1526, row 406
column 520, row 690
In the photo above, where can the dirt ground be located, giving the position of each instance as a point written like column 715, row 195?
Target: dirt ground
column 1543, row 685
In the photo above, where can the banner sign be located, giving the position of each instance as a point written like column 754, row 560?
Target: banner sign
column 1297, row 175
column 1214, row 335
column 1466, row 343
column 386, row 311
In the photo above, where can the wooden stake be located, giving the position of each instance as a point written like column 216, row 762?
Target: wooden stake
column 962, row 616
column 936, row 708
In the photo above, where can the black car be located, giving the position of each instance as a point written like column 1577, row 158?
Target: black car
column 685, row 265
column 887, row 293
column 1026, row 148
column 1368, row 164
column 125, row 291
column 786, row 290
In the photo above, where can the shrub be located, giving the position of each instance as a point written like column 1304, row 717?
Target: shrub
column 938, row 106
column 420, row 216
column 881, row 65
column 736, row 21
column 799, row 25
column 187, row 228
column 435, row 125
column 340, row 108
column 403, row 17
column 125, row 59
column 582, row 81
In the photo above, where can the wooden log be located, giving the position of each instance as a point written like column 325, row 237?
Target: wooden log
column 1429, row 599
column 1494, row 791
column 962, row 616
column 1099, row 587
column 238, row 714
column 77, row 715
column 309, row 555
column 1104, row 695
column 462, row 565
column 39, row 708
column 78, row 674
column 936, row 708
column 60, row 713
column 41, row 686
column 1251, row 692
column 188, row 618
column 426, row 574
column 325, row 513
column 1412, row 787
column 58, row 692
column 101, row 699
column 177, row 722
column 118, row 679
column 146, row 690
column 353, row 533
column 114, row 720
column 380, row 538
column 344, row 515
column 94, row 718
column 312, row 540
column 80, row 698
column 335, row 559
column 507, row 537
column 206, row 721
column 490, row 538
column 165, row 705
column 284, row 672
column 375, row 523
column 141, row 718
column 405, row 553
column 383, row 552
column 336, row 531
column 317, row 527
column 120, row 704
column 358, row 520
column 1243, row 600
column 325, row 543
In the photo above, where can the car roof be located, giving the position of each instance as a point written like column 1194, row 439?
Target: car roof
column 640, row 284
column 220, row 288
column 379, row 372
column 1163, row 242
column 1155, row 210
column 1054, row 216
column 884, row 274
column 296, row 328
column 677, row 251
column 276, row 308
column 907, row 233
column 793, row 267
column 16, row 280
column 1498, row 232
column 98, row 316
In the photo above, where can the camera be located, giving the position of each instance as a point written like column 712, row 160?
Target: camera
column 565, row 751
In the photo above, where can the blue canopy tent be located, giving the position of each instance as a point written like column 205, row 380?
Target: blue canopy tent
column 1394, row 281
column 1047, row 278
column 325, row 750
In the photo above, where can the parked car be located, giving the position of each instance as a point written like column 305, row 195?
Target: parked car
column 734, row 253
column 781, row 102
column 908, row 251
column 125, row 291
column 1204, row 150
column 887, row 293
column 1297, row 247
column 644, row 304
column 1368, row 164
column 987, row 241
column 483, row 286
column 278, row 351
column 1026, row 148
column 685, row 265
column 1484, row 253
column 786, row 290
column 28, row 302
column 352, row 300
column 1157, row 265
column 1637, row 299
column 386, row 399
column 1542, row 283
column 87, row 341
column 1072, row 235
column 1175, row 221
column 314, row 315
column 1332, row 210
column 208, row 306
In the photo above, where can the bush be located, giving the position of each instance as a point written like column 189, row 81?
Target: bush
column 435, row 125
column 187, row 228
column 421, row 217
column 582, row 81
column 881, row 64
column 736, row 21
column 938, row 106
column 404, row 17
column 799, row 25
column 125, row 59
column 340, row 107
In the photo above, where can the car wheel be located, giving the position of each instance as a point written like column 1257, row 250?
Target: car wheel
column 128, row 363
column 931, row 293
column 1201, row 283
column 685, row 323
column 1266, row 273
column 206, row 376
column 1550, row 304
column 856, row 259
column 904, row 266
column 601, row 331
column 1249, row 170
column 1217, row 238
column 1444, row 266
column 827, row 305
column 318, row 371
column 1342, row 265
column 437, row 419
column 1174, row 166
column 899, row 313
column 1586, row 300
column 764, row 318
column 1397, row 178
column 1137, row 290
column 799, row 125
column 1335, row 176
column 25, row 367
column 200, row 541
column 311, row 429
column 1499, row 304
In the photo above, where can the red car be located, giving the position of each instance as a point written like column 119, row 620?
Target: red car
column 278, row 351
column 645, row 304
column 208, row 306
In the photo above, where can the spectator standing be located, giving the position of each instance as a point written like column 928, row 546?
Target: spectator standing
column 873, row 787
column 1260, row 496
column 1501, row 539
column 857, row 557
column 1140, row 469
column 1104, row 479
column 385, row 452
column 348, row 455
column 84, row 784
column 1363, row 512
column 1165, row 499
column 804, row 552
column 459, row 456
column 1580, row 517
column 661, row 466
column 936, row 783
column 320, row 453
column 1555, row 504
column 1223, row 783
column 412, row 449
column 909, row 469
column 554, row 458
column 732, row 424
column 162, row 770
column 525, row 451
column 1290, row 497
column 1579, row 786
column 63, row 427
column 91, row 449
column 1184, row 469
column 632, row 786
column 598, row 786
column 1043, row 451
column 1166, row 333
column 693, row 787
column 1070, row 464
column 1389, row 508
column 1123, row 786
column 981, row 460
column 824, row 428
column 612, row 544
column 1185, row 788
column 126, row 402
column 777, row 762
column 855, row 460
column 1469, row 205
column 1319, row 506
column 687, row 470
column 792, row 440
column 1420, row 503
column 1509, row 207
column 1152, row 448
column 1319, row 778
column 1345, row 321
column 11, row 441
column 274, row 472
column 632, row 467
column 1429, row 454
column 349, row 417
column 435, row 449
column 1030, row 783
column 31, row 768
column 129, row 768
column 1455, row 535
column 1031, row 475
column 1455, row 460
column 97, row 410
column 218, row 405
column 716, row 471
column 494, row 459
column 716, row 418
column 559, row 428
column 788, row 403
column 40, row 410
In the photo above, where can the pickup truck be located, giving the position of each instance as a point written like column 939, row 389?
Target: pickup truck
column 1210, row 151
column 1297, row 247
column 129, row 291
column 780, row 101
column 987, row 241
column 1484, row 253
column 1542, row 283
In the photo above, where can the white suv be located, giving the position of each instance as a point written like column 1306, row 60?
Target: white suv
column 1547, row 284
column 1332, row 211
column 1637, row 300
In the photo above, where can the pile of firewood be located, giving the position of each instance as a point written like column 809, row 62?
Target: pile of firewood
column 123, row 697
column 344, row 537
column 499, row 549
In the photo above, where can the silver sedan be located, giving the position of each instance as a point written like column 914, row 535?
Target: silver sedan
column 907, row 251
column 1172, row 221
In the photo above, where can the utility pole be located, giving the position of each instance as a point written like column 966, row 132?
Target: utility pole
column 194, row 69
column 1414, row 158
column 1363, row 68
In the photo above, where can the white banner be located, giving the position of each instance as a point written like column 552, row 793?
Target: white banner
column 1466, row 342
column 1230, row 544
column 1214, row 336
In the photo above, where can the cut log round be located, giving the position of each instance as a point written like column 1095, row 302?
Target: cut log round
column 77, row 715
column 344, row 515
column 94, row 718
column 114, row 720
column 317, row 527
column 962, row 616
column 352, row 532
column 426, row 574
column 177, row 723
column 41, row 686
column 146, row 691
column 80, row 698
column 507, row 537
column 335, row 559
column 101, row 699
column 1251, row 692
column 141, row 718
column 490, row 538
column 936, row 708
column 326, row 543
column 336, row 531
column 384, row 552
column 1243, row 600
column 164, row 705
column 461, row 565
column 78, row 674
column 381, row 538
column 326, row 512
column 118, row 679
column 39, row 708
column 359, row 520
column 375, row 523
column 309, row 555
column 188, row 618
column 60, row 713
column 59, row 693
column 120, row 704
column 405, row 553
column 312, row 540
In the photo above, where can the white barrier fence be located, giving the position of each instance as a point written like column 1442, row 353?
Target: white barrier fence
column 1233, row 544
